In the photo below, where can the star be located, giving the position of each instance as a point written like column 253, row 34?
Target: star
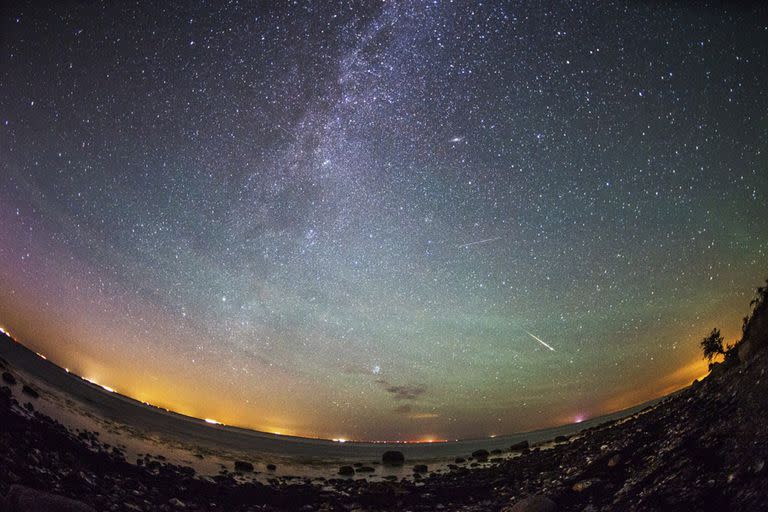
column 364, row 206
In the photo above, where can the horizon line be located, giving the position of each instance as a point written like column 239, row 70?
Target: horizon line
column 212, row 423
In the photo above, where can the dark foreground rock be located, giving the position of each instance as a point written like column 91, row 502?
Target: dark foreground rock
column 243, row 466
column 518, row 447
column 30, row 391
column 533, row 504
column 393, row 458
column 24, row 499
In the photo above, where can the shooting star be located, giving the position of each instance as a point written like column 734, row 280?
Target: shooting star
column 540, row 340
column 480, row 242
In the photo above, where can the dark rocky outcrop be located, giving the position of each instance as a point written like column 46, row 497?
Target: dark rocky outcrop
column 533, row 504
column 30, row 391
column 8, row 378
column 243, row 466
column 25, row 499
column 481, row 455
column 346, row 471
column 518, row 447
column 393, row 458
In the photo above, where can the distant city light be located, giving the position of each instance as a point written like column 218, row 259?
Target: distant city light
column 212, row 422
column 102, row 386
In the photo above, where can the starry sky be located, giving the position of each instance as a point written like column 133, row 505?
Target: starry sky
column 400, row 220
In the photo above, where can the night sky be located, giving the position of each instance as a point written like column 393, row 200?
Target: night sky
column 401, row 220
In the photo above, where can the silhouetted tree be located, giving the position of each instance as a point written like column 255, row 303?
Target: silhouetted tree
column 712, row 345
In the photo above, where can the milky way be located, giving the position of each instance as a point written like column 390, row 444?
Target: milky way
column 362, row 220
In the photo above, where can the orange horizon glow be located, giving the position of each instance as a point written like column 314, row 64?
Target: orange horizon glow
column 404, row 247
column 680, row 378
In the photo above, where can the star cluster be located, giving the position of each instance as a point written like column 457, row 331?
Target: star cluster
column 384, row 220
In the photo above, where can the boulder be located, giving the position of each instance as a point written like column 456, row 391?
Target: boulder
column 29, row 391
column 346, row 471
column 25, row 499
column 481, row 455
column 365, row 469
column 420, row 468
column 561, row 439
column 517, row 447
column 460, row 460
column 585, row 485
column 271, row 467
column 393, row 458
column 243, row 466
column 8, row 378
column 533, row 504
column 177, row 503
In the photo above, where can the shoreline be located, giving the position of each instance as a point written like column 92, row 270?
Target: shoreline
column 685, row 451
column 120, row 407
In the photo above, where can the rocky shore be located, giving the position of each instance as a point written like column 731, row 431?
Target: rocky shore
column 704, row 448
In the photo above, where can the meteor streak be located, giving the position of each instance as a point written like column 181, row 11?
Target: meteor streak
column 539, row 340
column 480, row 242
